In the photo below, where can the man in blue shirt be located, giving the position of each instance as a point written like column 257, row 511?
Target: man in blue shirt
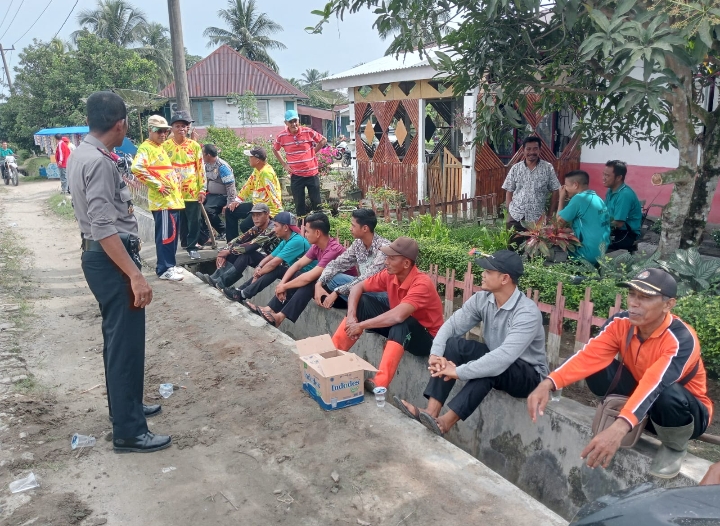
column 586, row 214
column 623, row 206
column 291, row 248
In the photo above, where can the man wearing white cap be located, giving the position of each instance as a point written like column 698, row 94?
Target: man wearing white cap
column 301, row 145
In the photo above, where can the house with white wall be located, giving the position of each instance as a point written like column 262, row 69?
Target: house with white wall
column 225, row 71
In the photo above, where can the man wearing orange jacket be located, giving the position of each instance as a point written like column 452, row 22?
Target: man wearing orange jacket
column 410, row 321
column 661, row 373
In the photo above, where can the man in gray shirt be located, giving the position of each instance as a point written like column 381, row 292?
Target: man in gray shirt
column 111, row 266
column 512, row 359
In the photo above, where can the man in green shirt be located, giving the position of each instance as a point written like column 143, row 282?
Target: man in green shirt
column 586, row 214
column 623, row 206
column 4, row 152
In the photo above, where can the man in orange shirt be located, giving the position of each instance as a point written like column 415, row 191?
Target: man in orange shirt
column 661, row 372
column 411, row 319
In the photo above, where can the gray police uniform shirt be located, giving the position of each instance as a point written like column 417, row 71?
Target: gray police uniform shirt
column 100, row 196
column 511, row 332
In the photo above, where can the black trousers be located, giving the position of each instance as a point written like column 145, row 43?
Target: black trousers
column 241, row 215
column 518, row 380
column 622, row 239
column 515, row 239
column 123, row 329
column 251, row 288
column 243, row 261
column 298, row 185
column 675, row 407
column 410, row 334
column 213, row 204
column 295, row 300
column 190, row 225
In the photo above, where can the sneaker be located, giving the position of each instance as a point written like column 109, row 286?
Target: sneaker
column 220, row 237
column 171, row 275
column 194, row 254
column 179, row 270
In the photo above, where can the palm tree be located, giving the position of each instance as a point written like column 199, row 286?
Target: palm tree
column 426, row 25
column 249, row 32
column 115, row 20
column 157, row 49
column 312, row 79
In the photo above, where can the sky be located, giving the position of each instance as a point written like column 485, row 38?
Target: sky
column 341, row 46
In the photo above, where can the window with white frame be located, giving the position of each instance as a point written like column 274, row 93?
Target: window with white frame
column 263, row 113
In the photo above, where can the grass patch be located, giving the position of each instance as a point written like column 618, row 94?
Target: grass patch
column 32, row 179
column 33, row 164
column 62, row 206
column 28, row 385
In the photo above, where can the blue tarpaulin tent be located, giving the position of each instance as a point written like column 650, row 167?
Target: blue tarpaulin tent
column 70, row 130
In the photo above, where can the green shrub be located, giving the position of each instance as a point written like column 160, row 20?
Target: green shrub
column 425, row 226
column 702, row 312
column 486, row 239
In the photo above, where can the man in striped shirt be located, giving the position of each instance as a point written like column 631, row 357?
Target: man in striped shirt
column 301, row 145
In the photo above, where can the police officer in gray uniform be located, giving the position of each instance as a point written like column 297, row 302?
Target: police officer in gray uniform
column 111, row 264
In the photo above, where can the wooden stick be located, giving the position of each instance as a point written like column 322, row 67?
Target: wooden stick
column 93, row 387
column 231, row 504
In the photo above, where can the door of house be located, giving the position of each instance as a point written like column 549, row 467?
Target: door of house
column 444, row 177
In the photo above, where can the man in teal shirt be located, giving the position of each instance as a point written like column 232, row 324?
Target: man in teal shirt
column 4, row 152
column 623, row 206
column 586, row 214
column 291, row 248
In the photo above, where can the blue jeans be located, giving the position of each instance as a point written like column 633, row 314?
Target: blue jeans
column 342, row 279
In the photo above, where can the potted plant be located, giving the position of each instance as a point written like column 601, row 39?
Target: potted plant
column 548, row 238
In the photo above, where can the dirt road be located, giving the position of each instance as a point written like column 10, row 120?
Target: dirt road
column 249, row 447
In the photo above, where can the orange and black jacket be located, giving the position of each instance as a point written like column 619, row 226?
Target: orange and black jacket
column 663, row 359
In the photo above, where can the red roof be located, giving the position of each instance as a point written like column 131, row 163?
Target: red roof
column 316, row 112
column 226, row 71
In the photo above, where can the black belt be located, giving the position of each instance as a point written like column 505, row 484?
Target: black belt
column 132, row 244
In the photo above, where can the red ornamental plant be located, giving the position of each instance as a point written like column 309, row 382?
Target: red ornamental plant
column 544, row 234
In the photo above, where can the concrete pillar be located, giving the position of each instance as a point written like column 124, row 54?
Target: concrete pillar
column 467, row 150
column 422, row 166
column 352, row 143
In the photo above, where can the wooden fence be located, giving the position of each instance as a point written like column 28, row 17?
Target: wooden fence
column 480, row 208
column 584, row 316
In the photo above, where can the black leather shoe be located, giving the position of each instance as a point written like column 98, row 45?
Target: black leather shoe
column 232, row 294
column 146, row 443
column 204, row 277
column 149, row 410
column 369, row 385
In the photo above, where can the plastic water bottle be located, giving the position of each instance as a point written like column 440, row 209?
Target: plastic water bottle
column 81, row 441
column 166, row 390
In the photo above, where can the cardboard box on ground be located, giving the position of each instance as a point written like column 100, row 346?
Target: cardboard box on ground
column 333, row 378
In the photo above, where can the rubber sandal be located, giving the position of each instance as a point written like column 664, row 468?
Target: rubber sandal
column 268, row 318
column 403, row 408
column 252, row 308
column 429, row 422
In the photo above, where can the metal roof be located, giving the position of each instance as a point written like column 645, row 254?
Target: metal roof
column 316, row 112
column 226, row 71
column 388, row 63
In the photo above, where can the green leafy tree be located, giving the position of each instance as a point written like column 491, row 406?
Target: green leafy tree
column 633, row 70
column 312, row 79
column 155, row 47
column 426, row 22
column 51, row 87
column 191, row 60
column 117, row 21
column 249, row 32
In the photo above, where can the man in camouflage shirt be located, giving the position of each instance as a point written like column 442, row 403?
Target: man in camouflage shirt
column 249, row 249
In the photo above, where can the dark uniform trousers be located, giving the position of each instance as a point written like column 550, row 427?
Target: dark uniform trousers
column 674, row 407
column 190, row 225
column 518, row 380
column 297, row 187
column 242, row 215
column 214, row 203
column 622, row 239
column 123, row 329
column 295, row 300
column 250, row 288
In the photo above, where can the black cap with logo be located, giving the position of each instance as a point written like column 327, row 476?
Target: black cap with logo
column 653, row 282
column 504, row 261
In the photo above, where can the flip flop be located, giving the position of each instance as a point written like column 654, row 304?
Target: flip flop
column 268, row 318
column 429, row 422
column 252, row 308
column 404, row 409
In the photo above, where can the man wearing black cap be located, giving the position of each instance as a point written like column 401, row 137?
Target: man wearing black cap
column 409, row 320
column 187, row 160
column 512, row 359
column 660, row 371
column 261, row 187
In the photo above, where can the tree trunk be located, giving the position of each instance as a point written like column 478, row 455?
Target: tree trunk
column 705, row 185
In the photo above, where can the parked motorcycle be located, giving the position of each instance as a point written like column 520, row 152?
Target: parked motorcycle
column 10, row 170
column 340, row 149
column 346, row 158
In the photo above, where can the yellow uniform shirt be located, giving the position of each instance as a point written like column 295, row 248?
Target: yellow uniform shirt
column 187, row 160
column 153, row 168
column 263, row 187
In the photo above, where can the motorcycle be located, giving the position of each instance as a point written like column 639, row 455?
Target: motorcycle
column 340, row 149
column 346, row 158
column 10, row 170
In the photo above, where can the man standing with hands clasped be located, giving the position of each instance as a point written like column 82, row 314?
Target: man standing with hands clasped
column 111, row 264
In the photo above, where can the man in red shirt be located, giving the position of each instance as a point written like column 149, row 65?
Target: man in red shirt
column 301, row 145
column 410, row 321
column 62, row 152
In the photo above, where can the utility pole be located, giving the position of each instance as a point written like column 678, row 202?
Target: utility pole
column 178, row 51
column 7, row 69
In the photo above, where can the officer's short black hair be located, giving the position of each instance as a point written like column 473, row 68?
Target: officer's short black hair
column 58, row 137
column 581, row 176
column 365, row 217
column 318, row 221
column 210, row 149
column 104, row 109
column 619, row 168
column 532, row 138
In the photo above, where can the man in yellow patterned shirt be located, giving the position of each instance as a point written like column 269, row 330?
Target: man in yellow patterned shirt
column 153, row 168
column 186, row 157
column 261, row 187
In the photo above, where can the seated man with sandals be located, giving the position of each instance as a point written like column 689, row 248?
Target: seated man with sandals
column 660, row 372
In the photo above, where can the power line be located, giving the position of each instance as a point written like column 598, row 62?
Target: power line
column 63, row 24
column 6, row 13
column 36, row 21
column 13, row 19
